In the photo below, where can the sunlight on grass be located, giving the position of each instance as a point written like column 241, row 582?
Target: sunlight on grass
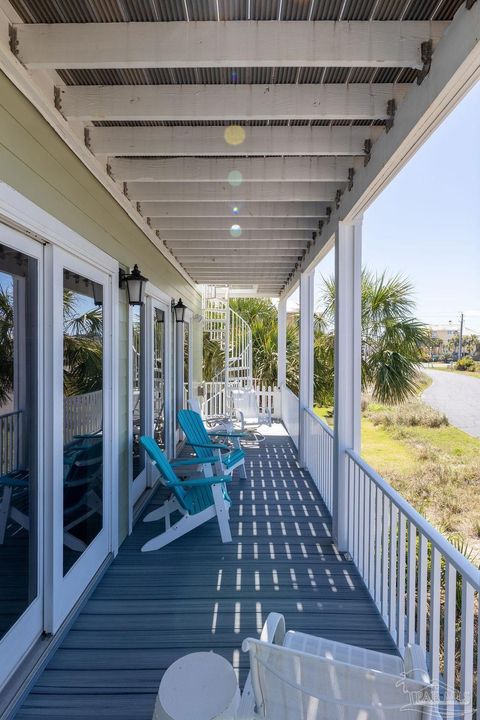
column 436, row 468
column 385, row 453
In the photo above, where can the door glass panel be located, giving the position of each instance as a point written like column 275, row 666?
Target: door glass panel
column 186, row 362
column 138, row 401
column 18, row 434
column 83, row 415
column 159, row 376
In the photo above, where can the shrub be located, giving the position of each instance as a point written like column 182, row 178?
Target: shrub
column 466, row 364
column 410, row 414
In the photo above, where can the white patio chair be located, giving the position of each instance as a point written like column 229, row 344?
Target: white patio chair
column 294, row 676
column 246, row 408
column 223, row 423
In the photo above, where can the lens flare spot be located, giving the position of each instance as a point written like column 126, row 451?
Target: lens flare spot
column 235, row 230
column 234, row 135
column 235, row 178
column 235, row 210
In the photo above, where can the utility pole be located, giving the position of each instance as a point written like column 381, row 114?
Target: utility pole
column 460, row 337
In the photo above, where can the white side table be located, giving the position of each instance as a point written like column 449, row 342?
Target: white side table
column 199, row 686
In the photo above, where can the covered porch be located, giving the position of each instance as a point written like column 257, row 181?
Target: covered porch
column 196, row 594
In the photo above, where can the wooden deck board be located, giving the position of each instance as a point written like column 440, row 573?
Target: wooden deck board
column 151, row 608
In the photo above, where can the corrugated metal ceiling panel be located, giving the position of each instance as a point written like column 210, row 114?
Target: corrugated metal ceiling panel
column 55, row 11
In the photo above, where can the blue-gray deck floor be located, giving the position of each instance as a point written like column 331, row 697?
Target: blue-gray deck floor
column 197, row 594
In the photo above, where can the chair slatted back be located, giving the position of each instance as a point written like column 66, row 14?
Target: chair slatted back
column 246, row 402
column 194, row 429
column 160, row 460
column 290, row 684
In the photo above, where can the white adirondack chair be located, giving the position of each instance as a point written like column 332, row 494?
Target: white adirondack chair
column 224, row 424
column 246, row 408
column 294, row 676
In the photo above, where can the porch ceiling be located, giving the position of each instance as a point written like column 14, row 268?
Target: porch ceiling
column 208, row 115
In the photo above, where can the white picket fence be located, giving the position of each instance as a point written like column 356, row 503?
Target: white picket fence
column 215, row 401
column 82, row 414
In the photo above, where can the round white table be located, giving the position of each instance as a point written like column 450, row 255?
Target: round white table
column 199, row 686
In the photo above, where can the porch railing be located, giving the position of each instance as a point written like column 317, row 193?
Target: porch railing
column 290, row 413
column 318, row 454
column 426, row 591
column 82, row 414
column 11, row 442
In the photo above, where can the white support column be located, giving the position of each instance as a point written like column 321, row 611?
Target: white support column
column 306, row 354
column 282, row 343
column 179, row 364
column 348, row 352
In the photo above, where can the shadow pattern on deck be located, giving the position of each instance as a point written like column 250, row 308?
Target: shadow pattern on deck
column 197, row 594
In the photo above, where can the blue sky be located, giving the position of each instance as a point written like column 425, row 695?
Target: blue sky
column 426, row 223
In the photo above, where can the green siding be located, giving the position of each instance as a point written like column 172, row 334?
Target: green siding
column 37, row 163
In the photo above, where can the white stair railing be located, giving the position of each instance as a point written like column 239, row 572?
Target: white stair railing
column 226, row 327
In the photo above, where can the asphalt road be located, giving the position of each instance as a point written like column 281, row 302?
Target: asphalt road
column 458, row 396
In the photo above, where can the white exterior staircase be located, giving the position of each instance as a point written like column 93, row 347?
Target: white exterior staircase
column 234, row 336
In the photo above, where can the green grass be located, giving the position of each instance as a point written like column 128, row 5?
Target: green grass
column 385, row 453
column 326, row 413
column 465, row 373
column 437, row 469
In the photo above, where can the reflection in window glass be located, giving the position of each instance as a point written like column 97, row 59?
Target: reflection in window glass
column 18, row 435
column 186, row 362
column 159, row 376
column 137, row 388
column 83, row 415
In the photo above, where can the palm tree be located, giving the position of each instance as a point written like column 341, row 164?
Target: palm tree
column 6, row 344
column 393, row 340
column 213, row 357
column 82, row 348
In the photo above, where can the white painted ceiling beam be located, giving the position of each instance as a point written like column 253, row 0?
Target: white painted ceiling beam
column 225, row 209
column 260, row 254
column 217, row 237
column 198, row 141
column 235, row 264
column 218, row 192
column 235, row 170
column 236, row 276
column 213, row 226
column 229, row 102
column 243, row 244
column 226, row 44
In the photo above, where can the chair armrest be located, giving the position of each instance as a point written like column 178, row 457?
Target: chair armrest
column 273, row 630
column 210, row 460
column 415, row 664
column 202, row 482
column 225, row 433
column 209, row 446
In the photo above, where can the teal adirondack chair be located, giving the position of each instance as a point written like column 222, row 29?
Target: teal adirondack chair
column 198, row 438
column 197, row 499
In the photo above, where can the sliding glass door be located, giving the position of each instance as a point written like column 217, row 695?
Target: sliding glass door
column 138, row 399
column 82, row 427
column 21, row 477
column 150, row 368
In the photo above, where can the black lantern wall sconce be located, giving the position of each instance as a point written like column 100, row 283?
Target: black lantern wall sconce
column 179, row 310
column 134, row 283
